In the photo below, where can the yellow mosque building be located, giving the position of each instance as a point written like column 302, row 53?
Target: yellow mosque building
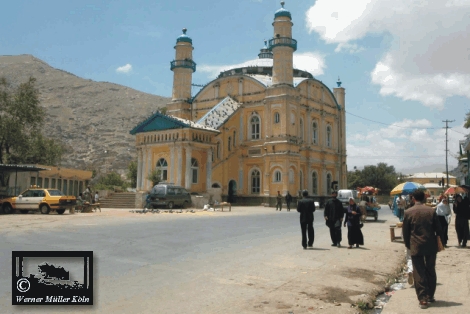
column 254, row 130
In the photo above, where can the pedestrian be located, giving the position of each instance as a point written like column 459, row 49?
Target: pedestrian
column 401, row 207
column 443, row 212
column 97, row 198
column 279, row 201
column 352, row 218
column 288, row 200
column 333, row 214
column 306, row 207
column 420, row 231
column 87, row 195
column 461, row 220
column 148, row 199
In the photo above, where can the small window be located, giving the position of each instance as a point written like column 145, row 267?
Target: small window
column 277, row 117
column 255, row 128
column 328, row 136
column 171, row 191
column 229, row 143
column 277, row 176
column 194, row 170
column 314, row 133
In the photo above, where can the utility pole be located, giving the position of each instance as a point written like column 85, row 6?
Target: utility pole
column 447, row 152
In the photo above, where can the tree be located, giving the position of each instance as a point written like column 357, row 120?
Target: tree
column 467, row 121
column 382, row 176
column 21, row 119
column 154, row 177
column 132, row 173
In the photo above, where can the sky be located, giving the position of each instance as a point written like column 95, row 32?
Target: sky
column 405, row 64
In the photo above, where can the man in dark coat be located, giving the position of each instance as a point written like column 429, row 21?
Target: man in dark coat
column 306, row 207
column 420, row 230
column 334, row 213
column 288, row 200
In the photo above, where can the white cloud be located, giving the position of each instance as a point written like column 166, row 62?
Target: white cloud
column 428, row 59
column 311, row 62
column 405, row 145
column 124, row 69
column 351, row 48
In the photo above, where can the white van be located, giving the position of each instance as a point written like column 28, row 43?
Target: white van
column 344, row 195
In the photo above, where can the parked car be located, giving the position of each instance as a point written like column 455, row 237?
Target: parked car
column 44, row 200
column 168, row 195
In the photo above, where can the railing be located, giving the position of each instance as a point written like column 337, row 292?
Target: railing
column 189, row 64
column 283, row 41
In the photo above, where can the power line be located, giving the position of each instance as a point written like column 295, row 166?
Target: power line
column 388, row 124
column 457, row 132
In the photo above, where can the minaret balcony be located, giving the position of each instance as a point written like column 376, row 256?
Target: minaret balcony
column 283, row 41
column 188, row 64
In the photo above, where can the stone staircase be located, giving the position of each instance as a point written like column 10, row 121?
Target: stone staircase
column 119, row 200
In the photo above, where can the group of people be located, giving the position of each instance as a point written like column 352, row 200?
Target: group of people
column 425, row 230
column 279, row 198
column 334, row 215
column 87, row 196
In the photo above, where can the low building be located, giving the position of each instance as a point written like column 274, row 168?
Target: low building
column 433, row 181
column 16, row 178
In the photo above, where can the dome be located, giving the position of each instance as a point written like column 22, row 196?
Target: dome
column 282, row 12
column 184, row 38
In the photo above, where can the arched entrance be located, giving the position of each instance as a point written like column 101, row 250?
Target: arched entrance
column 232, row 191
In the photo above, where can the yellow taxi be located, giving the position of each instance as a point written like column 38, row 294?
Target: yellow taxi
column 36, row 198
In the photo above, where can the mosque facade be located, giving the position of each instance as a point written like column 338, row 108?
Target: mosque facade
column 256, row 129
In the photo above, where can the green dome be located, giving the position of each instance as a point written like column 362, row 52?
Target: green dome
column 184, row 38
column 282, row 12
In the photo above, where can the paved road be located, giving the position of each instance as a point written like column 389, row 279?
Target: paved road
column 183, row 265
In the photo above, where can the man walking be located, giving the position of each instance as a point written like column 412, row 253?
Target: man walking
column 334, row 213
column 306, row 207
column 420, row 230
column 279, row 201
column 288, row 200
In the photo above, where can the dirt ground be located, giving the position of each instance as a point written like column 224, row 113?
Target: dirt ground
column 308, row 281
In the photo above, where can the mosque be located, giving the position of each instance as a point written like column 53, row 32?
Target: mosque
column 254, row 130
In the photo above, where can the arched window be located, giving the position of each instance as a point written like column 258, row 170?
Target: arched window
column 328, row 136
column 255, row 182
column 255, row 127
column 301, row 126
column 314, row 183
column 229, row 143
column 162, row 168
column 291, row 176
column 234, row 137
column 194, row 170
column 277, row 117
column 314, row 132
column 328, row 184
column 277, row 176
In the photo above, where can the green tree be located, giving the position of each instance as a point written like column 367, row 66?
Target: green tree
column 154, row 177
column 381, row 176
column 467, row 121
column 21, row 119
column 132, row 173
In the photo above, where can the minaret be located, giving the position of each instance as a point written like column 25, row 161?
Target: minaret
column 340, row 96
column 183, row 67
column 283, row 46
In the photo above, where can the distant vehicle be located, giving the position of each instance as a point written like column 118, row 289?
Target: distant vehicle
column 35, row 198
column 168, row 195
column 344, row 195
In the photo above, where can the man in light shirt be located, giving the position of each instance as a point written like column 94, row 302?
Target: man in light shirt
column 443, row 213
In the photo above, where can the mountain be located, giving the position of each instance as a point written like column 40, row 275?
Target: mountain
column 92, row 118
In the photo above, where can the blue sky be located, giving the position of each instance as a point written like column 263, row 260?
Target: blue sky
column 405, row 64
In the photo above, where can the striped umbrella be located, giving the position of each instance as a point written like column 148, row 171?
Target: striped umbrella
column 407, row 188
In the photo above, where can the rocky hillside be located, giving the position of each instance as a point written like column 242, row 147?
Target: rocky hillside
column 92, row 118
